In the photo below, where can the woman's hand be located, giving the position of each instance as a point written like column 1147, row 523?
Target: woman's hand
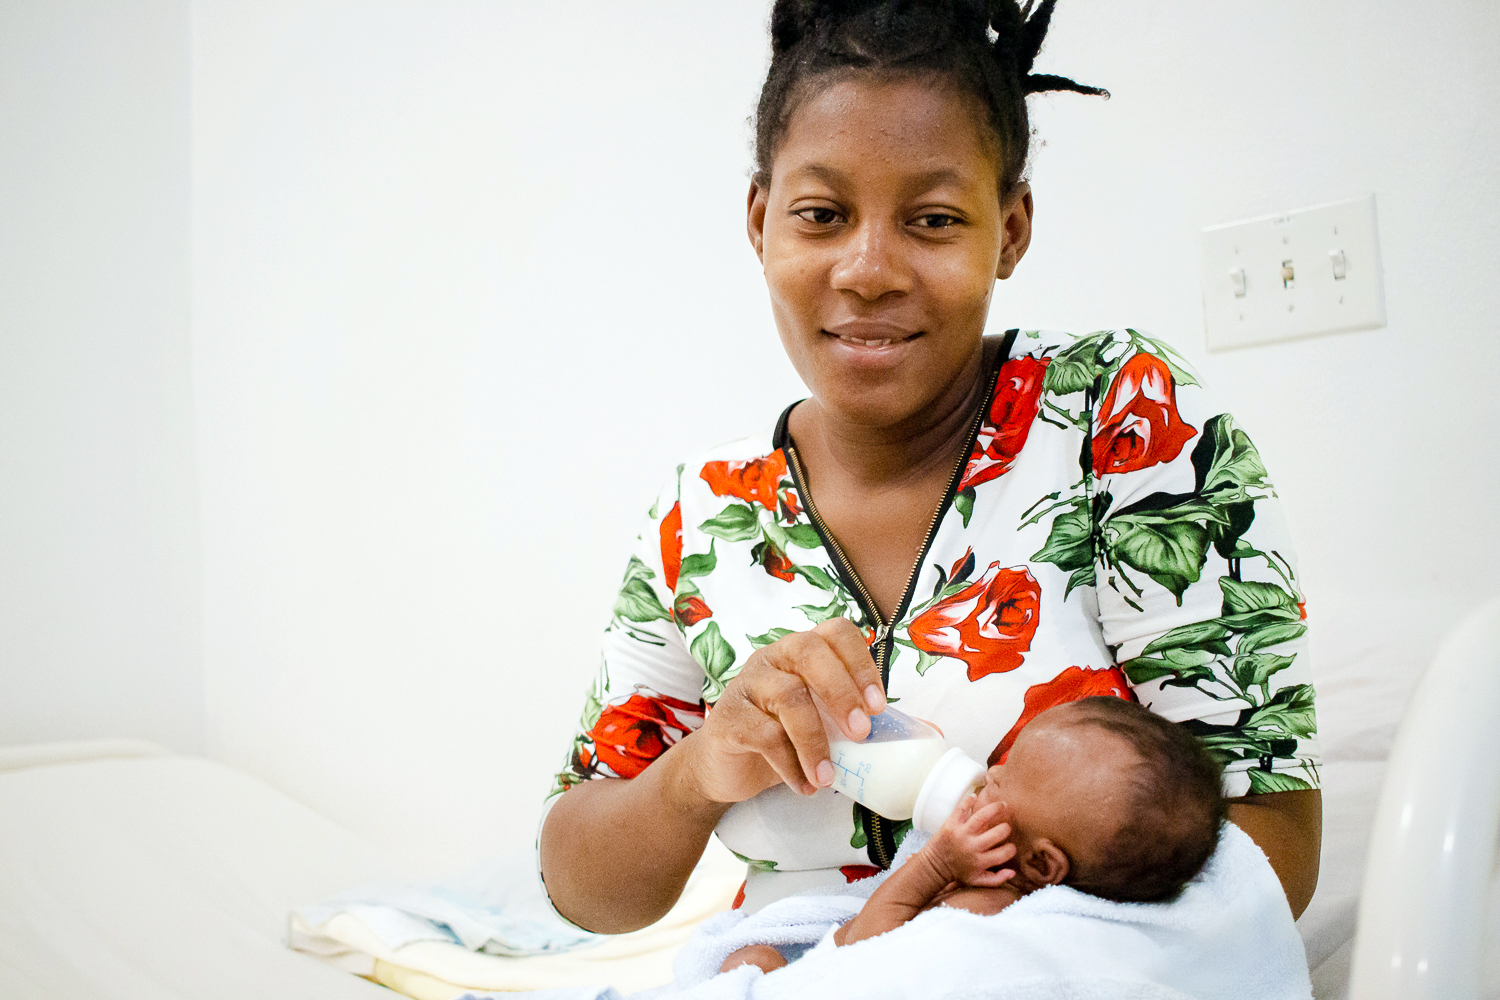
column 766, row 727
column 971, row 842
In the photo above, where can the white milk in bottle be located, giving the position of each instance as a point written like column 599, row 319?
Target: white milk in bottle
column 902, row 768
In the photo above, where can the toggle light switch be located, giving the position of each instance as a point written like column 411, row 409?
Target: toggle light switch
column 1340, row 264
column 1254, row 292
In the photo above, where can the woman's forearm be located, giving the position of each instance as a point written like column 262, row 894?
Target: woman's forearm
column 616, row 854
column 1288, row 827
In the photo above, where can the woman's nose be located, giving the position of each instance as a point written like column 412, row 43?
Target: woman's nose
column 872, row 263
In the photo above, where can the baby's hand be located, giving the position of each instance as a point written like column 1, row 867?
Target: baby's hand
column 973, row 840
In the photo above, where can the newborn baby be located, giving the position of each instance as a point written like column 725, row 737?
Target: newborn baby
column 1099, row 794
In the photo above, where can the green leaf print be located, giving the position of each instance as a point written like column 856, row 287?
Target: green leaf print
column 1171, row 552
column 637, row 601
column 756, row 866
column 757, row 641
column 804, row 536
column 1265, row 782
column 1075, row 367
column 817, row 577
column 736, row 523
column 818, row 615
column 1243, row 596
column 860, row 839
column 1070, row 545
column 1270, row 635
column 1083, row 576
column 1209, row 635
column 1226, row 464
column 716, row 656
column 1290, row 711
column 1255, row 669
column 963, row 500
column 699, row 564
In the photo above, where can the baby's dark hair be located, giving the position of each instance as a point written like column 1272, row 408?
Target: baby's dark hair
column 1173, row 813
column 985, row 48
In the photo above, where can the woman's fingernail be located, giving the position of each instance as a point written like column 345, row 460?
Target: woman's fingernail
column 825, row 773
column 859, row 724
column 875, row 698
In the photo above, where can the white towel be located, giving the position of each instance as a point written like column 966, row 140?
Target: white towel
column 1229, row 936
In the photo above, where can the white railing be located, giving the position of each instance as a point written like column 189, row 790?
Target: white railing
column 1422, row 908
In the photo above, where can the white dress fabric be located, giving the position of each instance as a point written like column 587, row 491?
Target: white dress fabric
column 1110, row 532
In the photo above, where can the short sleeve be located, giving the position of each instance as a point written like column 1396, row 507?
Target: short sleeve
column 648, row 693
column 1193, row 567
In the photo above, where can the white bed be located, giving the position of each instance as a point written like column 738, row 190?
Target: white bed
column 131, row 874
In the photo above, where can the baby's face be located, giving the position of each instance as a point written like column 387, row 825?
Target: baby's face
column 1064, row 782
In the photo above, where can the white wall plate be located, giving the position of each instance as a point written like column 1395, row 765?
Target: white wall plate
column 1297, row 274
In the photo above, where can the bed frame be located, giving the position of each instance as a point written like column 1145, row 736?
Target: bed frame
column 1432, row 849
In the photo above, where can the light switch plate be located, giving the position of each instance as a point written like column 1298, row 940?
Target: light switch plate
column 1274, row 278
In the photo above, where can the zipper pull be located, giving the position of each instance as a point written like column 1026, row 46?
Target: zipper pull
column 881, row 634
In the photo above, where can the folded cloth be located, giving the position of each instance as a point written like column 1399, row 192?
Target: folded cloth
column 497, row 908
column 1228, row 936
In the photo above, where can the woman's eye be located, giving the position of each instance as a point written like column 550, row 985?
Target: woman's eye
column 819, row 216
column 937, row 220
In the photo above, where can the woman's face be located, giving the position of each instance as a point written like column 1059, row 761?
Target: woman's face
column 882, row 233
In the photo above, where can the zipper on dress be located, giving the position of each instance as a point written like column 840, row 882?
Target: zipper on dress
column 884, row 632
column 879, row 836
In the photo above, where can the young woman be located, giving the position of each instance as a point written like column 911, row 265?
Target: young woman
column 978, row 527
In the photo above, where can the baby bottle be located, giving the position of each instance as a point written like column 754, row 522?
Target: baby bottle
column 903, row 770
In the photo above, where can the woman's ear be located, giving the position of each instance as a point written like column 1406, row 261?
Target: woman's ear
column 1044, row 864
column 1015, row 229
column 755, row 219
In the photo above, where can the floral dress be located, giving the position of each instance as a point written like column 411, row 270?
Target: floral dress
column 1111, row 532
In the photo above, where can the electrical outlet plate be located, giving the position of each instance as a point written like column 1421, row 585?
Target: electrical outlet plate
column 1276, row 278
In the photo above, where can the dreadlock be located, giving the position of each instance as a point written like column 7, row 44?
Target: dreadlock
column 984, row 47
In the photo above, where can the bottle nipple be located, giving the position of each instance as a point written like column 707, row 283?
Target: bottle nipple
column 954, row 775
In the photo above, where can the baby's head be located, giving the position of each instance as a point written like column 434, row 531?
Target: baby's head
column 1109, row 798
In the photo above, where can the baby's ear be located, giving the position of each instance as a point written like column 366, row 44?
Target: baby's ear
column 1044, row 864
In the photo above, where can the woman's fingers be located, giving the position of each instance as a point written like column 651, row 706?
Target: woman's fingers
column 772, row 709
column 834, row 664
column 786, row 699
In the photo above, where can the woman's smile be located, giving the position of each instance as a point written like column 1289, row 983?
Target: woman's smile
column 882, row 233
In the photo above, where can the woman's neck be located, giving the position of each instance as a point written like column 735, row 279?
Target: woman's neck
column 885, row 456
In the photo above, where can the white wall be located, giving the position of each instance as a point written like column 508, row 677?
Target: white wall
column 468, row 279
column 100, row 622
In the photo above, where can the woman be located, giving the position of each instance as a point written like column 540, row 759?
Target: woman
column 978, row 527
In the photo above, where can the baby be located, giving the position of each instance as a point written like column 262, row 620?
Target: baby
column 1098, row 794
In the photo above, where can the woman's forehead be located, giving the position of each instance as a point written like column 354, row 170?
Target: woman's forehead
column 907, row 125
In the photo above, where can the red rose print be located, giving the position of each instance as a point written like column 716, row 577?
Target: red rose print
column 1138, row 421
column 989, row 624
column 791, row 507
column 776, row 563
column 1302, row 610
column 1002, row 435
column 853, row 873
column 690, row 610
column 739, row 897
column 754, row 480
column 1070, row 685
column 631, row 735
column 671, row 545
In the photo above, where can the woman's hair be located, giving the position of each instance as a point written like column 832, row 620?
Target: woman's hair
column 984, row 48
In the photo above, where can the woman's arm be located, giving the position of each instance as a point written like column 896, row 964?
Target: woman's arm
column 1288, row 827
column 615, row 853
